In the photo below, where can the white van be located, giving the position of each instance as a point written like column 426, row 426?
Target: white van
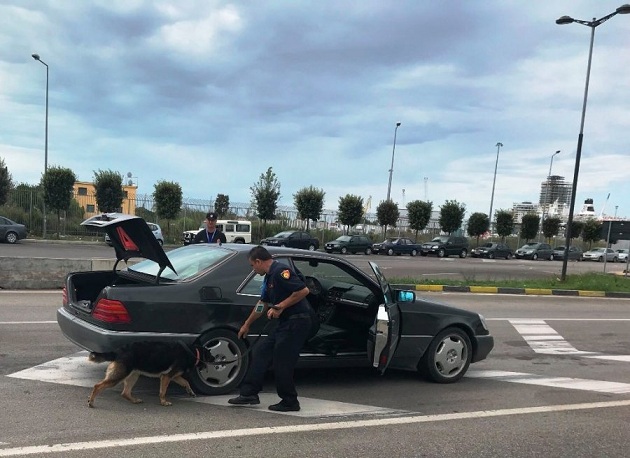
column 235, row 231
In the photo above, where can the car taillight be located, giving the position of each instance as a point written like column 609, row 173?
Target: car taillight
column 64, row 296
column 111, row 311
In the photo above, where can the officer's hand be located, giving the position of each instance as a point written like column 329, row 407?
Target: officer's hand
column 242, row 333
column 274, row 312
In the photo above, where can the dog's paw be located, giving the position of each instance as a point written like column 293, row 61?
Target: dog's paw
column 166, row 403
column 90, row 403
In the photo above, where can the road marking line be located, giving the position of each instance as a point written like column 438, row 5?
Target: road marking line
column 625, row 358
column 28, row 322
column 331, row 426
column 598, row 386
column 543, row 339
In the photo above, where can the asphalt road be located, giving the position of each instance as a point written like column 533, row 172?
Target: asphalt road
column 557, row 384
column 469, row 269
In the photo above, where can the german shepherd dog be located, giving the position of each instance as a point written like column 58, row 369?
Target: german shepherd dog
column 168, row 361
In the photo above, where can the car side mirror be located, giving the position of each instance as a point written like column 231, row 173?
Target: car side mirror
column 406, row 296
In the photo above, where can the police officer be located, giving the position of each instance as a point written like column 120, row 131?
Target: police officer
column 210, row 234
column 283, row 297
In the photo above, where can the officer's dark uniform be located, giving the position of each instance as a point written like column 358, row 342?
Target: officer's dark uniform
column 203, row 236
column 284, row 344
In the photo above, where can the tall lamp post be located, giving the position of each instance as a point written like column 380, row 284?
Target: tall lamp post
column 36, row 57
column 623, row 9
column 498, row 145
column 391, row 169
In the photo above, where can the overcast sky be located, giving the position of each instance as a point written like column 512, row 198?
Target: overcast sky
column 209, row 94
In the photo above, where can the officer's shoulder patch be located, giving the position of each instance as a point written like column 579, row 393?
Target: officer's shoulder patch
column 286, row 273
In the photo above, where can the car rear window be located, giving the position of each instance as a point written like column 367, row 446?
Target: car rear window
column 188, row 261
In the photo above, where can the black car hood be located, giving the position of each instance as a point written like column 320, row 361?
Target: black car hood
column 131, row 237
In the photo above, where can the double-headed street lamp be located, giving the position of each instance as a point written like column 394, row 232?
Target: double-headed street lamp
column 36, row 57
column 496, row 163
column 624, row 9
column 391, row 169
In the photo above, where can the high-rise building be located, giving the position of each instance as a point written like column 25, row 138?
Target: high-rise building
column 554, row 189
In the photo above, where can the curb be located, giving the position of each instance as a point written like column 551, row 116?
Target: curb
column 527, row 291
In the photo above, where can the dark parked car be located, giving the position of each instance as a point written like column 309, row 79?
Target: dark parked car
column 292, row 239
column 10, row 231
column 350, row 244
column 534, row 251
column 446, row 245
column 492, row 250
column 398, row 246
column 201, row 294
column 575, row 253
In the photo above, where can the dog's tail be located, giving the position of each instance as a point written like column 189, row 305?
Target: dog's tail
column 101, row 357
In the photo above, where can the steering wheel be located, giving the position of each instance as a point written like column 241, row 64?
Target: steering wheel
column 313, row 285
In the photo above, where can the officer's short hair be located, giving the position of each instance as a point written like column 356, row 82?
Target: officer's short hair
column 259, row 253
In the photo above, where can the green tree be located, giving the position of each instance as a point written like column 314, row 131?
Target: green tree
column 504, row 224
column 551, row 226
column 109, row 190
column 591, row 232
column 451, row 216
column 576, row 229
column 350, row 210
column 265, row 195
column 222, row 205
column 387, row 214
column 478, row 224
column 419, row 214
column 167, row 196
column 529, row 226
column 6, row 182
column 58, row 183
column 309, row 203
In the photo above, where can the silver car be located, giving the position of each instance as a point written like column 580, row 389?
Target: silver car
column 598, row 254
column 623, row 255
column 10, row 231
column 155, row 228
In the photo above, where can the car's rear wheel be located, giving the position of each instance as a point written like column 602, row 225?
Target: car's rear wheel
column 508, row 256
column 414, row 252
column 491, row 255
column 368, row 250
column 448, row 357
column 11, row 237
column 463, row 253
column 551, row 257
column 344, row 250
column 311, row 247
column 228, row 350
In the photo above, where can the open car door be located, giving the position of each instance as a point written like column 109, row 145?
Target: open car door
column 387, row 325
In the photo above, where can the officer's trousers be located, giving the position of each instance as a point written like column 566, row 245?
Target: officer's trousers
column 282, row 347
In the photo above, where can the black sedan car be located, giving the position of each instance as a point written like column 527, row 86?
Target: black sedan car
column 201, row 294
column 575, row 253
column 492, row 250
column 398, row 246
column 10, row 231
column 292, row 239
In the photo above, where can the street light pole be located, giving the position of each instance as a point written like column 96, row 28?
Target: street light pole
column 623, row 9
column 391, row 169
column 498, row 145
column 36, row 57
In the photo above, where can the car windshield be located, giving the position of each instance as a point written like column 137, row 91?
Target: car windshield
column 487, row 245
column 283, row 235
column 599, row 250
column 560, row 248
column 343, row 238
column 440, row 239
column 188, row 261
column 530, row 245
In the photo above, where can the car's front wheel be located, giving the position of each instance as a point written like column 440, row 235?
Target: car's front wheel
column 441, row 253
column 448, row 357
column 344, row 250
column 311, row 247
column 534, row 257
column 11, row 237
column 230, row 363
column 390, row 252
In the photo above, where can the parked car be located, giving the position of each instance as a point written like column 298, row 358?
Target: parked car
column 575, row 253
column 446, row 245
column 492, row 250
column 623, row 255
column 292, row 239
column 155, row 228
column 534, row 251
column 10, row 231
column 597, row 254
column 236, row 231
column 202, row 293
column 401, row 245
column 350, row 244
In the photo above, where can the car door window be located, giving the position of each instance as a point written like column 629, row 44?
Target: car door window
column 252, row 286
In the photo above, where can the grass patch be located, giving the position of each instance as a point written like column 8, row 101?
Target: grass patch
column 584, row 282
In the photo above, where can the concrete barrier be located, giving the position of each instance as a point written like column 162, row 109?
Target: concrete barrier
column 45, row 273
